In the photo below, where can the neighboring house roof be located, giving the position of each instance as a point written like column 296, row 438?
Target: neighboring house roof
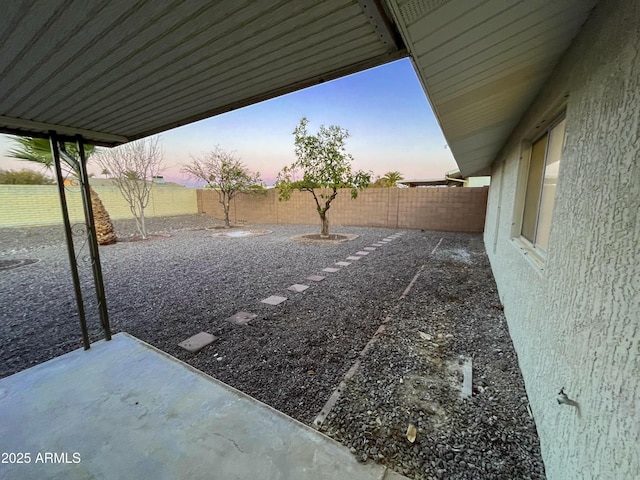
column 433, row 182
column 452, row 178
column 121, row 70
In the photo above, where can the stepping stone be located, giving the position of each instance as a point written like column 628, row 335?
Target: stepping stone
column 197, row 342
column 315, row 278
column 467, row 381
column 343, row 264
column 378, row 244
column 273, row 300
column 297, row 287
column 330, row 269
column 370, row 249
column 353, row 258
column 387, row 240
column 361, row 253
column 241, row 318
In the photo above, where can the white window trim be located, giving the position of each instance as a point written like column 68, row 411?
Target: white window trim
column 534, row 255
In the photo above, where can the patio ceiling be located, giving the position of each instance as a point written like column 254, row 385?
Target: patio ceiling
column 120, row 70
column 482, row 63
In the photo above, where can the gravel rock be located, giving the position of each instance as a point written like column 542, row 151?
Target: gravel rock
column 293, row 355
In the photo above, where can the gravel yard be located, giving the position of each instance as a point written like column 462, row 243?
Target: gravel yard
column 292, row 356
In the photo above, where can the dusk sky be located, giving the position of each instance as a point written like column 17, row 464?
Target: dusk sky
column 385, row 110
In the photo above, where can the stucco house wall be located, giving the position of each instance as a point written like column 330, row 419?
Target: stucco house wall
column 575, row 319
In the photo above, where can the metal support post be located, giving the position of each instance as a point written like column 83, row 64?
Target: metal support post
column 53, row 138
column 92, row 237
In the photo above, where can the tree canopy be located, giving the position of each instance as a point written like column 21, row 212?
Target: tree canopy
column 24, row 177
column 225, row 173
column 132, row 167
column 389, row 179
column 322, row 163
column 38, row 150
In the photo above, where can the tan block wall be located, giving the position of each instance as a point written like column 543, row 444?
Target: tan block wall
column 24, row 205
column 445, row 209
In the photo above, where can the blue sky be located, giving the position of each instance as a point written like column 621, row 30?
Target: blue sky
column 385, row 110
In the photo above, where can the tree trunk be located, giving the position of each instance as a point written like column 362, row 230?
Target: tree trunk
column 226, row 215
column 105, row 232
column 324, row 233
column 143, row 225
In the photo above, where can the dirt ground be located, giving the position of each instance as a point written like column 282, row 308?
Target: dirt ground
column 430, row 296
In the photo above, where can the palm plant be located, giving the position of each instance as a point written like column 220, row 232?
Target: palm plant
column 38, row 150
column 391, row 179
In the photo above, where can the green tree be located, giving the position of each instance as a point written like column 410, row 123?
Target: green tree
column 223, row 172
column 323, row 163
column 38, row 150
column 24, row 177
column 389, row 179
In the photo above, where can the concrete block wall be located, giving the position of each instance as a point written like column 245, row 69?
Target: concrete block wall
column 575, row 318
column 30, row 205
column 445, row 209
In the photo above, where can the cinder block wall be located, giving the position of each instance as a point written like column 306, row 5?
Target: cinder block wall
column 445, row 209
column 25, row 205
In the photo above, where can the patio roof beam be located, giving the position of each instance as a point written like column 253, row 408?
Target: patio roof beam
column 31, row 128
column 379, row 19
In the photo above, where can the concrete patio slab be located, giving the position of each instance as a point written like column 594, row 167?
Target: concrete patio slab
column 124, row 409
column 197, row 342
column 241, row 318
column 298, row 287
column 273, row 300
column 343, row 264
column 315, row 278
column 330, row 269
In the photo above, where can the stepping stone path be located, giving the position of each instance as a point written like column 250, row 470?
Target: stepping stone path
column 274, row 300
column 297, row 287
column 197, row 342
column 241, row 318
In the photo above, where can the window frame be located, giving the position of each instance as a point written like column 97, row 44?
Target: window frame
column 531, row 249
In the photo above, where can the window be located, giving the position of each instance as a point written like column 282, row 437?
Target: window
column 542, row 179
